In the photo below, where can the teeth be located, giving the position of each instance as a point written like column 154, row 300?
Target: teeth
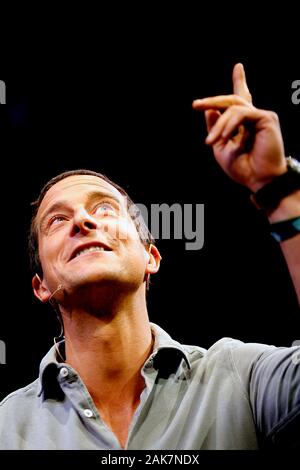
column 92, row 248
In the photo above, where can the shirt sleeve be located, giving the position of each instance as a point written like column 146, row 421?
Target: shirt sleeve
column 275, row 398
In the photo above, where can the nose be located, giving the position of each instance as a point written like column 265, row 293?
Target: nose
column 83, row 222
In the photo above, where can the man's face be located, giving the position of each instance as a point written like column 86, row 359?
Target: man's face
column 86, row 236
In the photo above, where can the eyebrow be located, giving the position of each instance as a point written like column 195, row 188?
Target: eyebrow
column 65, row 204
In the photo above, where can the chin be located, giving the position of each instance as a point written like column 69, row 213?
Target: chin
column 95, row 280
column 106, row 278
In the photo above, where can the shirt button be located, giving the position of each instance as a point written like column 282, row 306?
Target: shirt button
column 88, row 413
column 63, row 372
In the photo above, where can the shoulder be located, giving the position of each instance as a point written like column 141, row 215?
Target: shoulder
column 230, row 349
column 228, row 358
column 19, row 398
column 275, row 397
column 17, row 411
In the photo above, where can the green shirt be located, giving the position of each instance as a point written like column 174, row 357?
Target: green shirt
column 232, row 396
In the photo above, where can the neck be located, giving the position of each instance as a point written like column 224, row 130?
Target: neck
column 108, row 349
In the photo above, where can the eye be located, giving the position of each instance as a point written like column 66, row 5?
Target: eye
column 56, row 219
column 104, row 207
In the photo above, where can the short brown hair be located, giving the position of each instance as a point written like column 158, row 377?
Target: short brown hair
column 33, row 246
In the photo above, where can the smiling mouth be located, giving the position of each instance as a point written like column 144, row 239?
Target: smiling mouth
column 90, row 249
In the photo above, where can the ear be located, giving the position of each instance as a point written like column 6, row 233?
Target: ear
column 40, row 288
column 153, row 262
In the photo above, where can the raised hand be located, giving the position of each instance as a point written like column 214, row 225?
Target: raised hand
column 246, row 141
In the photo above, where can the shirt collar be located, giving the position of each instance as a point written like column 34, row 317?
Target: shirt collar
column 167, row 353
column 166, row 357
column 49, row 369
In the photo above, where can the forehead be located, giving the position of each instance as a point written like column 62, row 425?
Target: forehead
column 75, row 188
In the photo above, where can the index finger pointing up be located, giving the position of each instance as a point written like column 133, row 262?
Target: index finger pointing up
column 240, row 86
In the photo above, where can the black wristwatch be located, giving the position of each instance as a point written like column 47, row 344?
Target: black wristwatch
column 269, row 196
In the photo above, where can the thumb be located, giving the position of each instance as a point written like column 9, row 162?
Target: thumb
column 211, row 117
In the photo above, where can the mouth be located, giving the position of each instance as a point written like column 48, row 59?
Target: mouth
column 89, row 248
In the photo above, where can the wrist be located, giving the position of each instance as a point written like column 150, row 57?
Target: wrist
column 288, row 207
column 280, row 197
column 286, row 229
column 257, row 185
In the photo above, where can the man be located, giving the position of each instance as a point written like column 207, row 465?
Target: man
column 119, row 382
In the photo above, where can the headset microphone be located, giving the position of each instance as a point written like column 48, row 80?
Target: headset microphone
column 54, row 304
column 59, row 287
column 56, row 338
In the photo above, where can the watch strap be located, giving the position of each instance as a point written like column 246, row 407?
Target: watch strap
column 270, row 195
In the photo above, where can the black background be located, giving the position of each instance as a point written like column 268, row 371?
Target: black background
column 113, row 94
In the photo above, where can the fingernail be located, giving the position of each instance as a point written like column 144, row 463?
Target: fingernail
column 198, row 101
column 209, row 138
